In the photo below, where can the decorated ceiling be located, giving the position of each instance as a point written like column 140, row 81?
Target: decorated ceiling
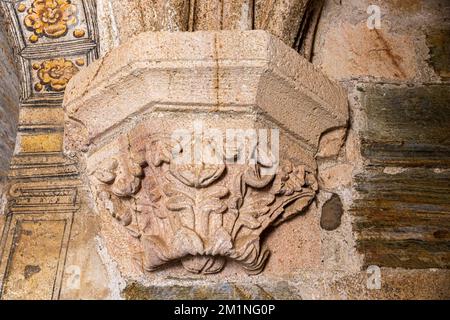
column 53, row 39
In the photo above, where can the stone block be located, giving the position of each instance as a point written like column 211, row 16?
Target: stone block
column 407, row 126
column 437, row 41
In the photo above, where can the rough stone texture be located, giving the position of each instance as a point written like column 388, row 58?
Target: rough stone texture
column 395, row 284
column 359, row 51
column 293, row 21
column 227, row 291
column 42, row 197
column 335, row 177
column 401, row 207
column 243, row 73
column 404, row 212
column 29, row 269
column 397, row 206
column 346, row 48
column 9, row 104
column 398, row 142
column 437, row 41
column 407, row 127
column 331, row 143
column 86, row 272
column 403, row 219
column 331, row 213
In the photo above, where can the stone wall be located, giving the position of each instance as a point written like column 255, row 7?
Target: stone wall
column 383, row 183
column 9, row 104
column 394, row 170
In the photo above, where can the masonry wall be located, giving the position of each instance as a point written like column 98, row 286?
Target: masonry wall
column 9, row 105
column 394, row 170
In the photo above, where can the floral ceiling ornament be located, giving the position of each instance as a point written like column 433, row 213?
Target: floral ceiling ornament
column 199, row 214
column 54, row 74
column 50, row 18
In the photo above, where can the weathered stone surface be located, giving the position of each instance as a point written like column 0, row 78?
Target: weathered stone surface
column 223, row 61
column 407, row 126
column 402, row 213
column 293, row 21
column 42, row 142
column 335, row 177
column 9, row 103
column 331, row 213
column 395, row 284
column 36, row 118
column 2, row 218
column 331, row 142
column 346, row 48
column 402, row 218
column 223, row 291
column 222, row 207
column 437, row 41
column 405, row 6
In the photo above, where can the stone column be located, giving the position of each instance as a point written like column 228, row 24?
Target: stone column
column 293, row 21
column 194, row 144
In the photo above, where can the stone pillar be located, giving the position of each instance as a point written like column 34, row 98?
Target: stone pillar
column 9, row 114
column 194, row 144
column 293, row 21
column 9, row 109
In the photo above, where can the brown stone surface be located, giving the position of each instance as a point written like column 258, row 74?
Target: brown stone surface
column 331, row 143
column 437, row 41
column 403, row 213
column 402, row 219
column 347, row 49
column 2, row 220
column 335, row 177
column 226, row 291
column 240, row 77
column 397, row 145
column 9, row 102
column 331, row 213
column 355, row 50
column 293, row 21
column 407, row 126
column 296, row 245
column 395, row 284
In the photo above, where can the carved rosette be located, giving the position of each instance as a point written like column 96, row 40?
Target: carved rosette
column 54, row 74
column 201, row 213
column 50, row 18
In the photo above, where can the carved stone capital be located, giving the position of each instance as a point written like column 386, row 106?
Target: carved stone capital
column 152, row 122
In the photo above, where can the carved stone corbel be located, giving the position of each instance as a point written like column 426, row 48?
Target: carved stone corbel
column 196, row 197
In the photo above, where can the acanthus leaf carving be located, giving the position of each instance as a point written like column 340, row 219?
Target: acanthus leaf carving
column 199, row 213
